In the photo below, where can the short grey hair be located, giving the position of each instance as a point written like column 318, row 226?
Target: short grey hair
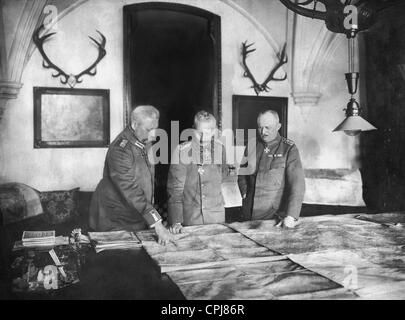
column 201, row 116
column 145, row 111
column 272, row 112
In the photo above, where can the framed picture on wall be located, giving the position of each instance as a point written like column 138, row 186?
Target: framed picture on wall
column 245, row 110
column 71, row 118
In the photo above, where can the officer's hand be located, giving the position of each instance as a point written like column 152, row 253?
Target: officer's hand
column 176, row 228
column 288, row 222
column 164, row 236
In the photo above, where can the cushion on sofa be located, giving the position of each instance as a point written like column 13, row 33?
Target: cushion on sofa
column 17, row 202
column 60, row 206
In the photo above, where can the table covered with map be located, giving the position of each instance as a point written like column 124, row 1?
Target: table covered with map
column 324, row 257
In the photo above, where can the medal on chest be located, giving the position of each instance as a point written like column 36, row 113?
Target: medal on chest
column 276, row 155
column 205, row 157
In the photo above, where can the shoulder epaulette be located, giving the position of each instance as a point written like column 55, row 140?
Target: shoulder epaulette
column 123, row 143
column 288, row 141
column 140, row 145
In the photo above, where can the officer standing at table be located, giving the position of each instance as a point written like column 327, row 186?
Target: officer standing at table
column 196, row 173
column 276, row 188
column 123, row 200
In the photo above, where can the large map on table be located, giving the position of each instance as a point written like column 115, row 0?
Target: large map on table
column 205, row 245
column 218, row 262
column 324, row 257
column 365, row 253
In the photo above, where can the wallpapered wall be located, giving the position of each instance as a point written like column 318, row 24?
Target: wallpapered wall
column 310, row 127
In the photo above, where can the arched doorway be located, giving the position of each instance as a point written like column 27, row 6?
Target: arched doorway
column 172, row 59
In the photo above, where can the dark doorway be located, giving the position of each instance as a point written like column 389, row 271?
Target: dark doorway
column 172, row 60
column 383, row 150
column 245, row 110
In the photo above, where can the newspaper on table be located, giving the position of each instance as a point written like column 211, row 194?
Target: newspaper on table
column 114, row 240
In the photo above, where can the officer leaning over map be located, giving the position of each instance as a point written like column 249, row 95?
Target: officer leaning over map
column 276, row 188
column 123, row 200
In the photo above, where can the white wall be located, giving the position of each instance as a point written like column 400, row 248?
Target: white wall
column 51, row 169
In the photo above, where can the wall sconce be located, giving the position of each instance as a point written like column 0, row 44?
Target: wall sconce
column 354, row 123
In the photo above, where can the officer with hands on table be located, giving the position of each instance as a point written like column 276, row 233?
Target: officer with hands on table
column 276, row 187
column 195, row 176
column 123, row 199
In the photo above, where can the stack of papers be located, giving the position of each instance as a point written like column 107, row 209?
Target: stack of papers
column 59, row 241
column 38, row 238
column 114, row 240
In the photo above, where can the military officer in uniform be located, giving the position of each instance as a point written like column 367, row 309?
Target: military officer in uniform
column 123, row 200
column 194, row 181
column 276, row 188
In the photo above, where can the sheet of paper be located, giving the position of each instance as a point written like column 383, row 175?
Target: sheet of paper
column 231, row 194
column 239, row 154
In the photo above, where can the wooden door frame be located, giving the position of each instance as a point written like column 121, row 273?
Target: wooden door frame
column 215, row 34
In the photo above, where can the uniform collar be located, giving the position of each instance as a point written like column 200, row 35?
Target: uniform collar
column 130, row 135
column 197, row 146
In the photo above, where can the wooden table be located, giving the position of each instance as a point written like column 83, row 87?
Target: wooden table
column 332, row 257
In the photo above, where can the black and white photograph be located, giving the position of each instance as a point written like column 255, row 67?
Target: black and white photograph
column 202, row 151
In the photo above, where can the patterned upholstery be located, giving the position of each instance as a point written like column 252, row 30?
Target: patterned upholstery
column 60, row 206
column 19, row 201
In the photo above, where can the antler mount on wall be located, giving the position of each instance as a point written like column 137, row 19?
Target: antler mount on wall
column 65, row 78
column 257, row 87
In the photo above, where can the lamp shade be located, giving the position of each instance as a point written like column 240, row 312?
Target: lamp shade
column 354, row 123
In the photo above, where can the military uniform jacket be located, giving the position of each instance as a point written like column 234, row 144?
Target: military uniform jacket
column 123, row 200
column 194, row 188
column 277, row 186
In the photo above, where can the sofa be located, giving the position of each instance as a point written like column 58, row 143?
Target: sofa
column 15, row 217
